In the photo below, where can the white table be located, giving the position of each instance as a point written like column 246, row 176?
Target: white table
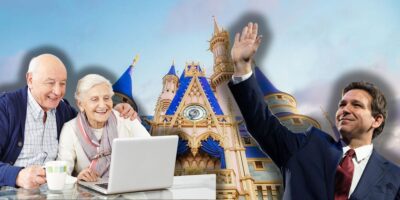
column 184, row 187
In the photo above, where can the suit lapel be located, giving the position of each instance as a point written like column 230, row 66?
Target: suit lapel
column 372, row 173
column 334, row 156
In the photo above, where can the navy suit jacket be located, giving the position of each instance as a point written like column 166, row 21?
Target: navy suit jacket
column 308, row 161
column 13, row 107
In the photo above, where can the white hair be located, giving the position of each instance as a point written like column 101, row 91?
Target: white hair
column 88, row 82
column 33, row 65
column 35, row 61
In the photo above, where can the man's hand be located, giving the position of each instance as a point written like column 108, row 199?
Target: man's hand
column 88, row 175
column 244, row 48
column 126, row 111
column 31, row 177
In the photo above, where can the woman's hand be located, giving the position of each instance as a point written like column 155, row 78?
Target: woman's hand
column 88, row 175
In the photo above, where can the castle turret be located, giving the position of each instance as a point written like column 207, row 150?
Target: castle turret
column 170, row 85
column 220, row 47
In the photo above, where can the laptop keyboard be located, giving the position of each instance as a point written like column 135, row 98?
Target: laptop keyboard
column 103, row 185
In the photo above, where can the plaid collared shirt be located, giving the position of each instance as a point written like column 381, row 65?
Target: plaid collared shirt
column 40, row 143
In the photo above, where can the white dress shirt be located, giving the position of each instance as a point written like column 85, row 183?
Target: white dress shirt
column 71, row 151
column 238, row 79
column 360, row 161
column 40, row 138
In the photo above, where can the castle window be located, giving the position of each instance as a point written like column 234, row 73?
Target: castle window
column 296, row 121
column 259, row 165
column 278, row 192
column 269, row 192
column 279, row 96
column 259, row 192
column 247, row 140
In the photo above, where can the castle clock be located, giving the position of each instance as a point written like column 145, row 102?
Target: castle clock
column 195, row 112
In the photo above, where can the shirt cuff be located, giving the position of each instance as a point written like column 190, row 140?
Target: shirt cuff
column 238, row 79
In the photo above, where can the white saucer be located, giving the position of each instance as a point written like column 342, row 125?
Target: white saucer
column 70, row 182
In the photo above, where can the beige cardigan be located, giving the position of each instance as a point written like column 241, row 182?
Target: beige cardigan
column 71, row 151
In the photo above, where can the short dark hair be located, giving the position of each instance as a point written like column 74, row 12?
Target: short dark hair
column 378, row 103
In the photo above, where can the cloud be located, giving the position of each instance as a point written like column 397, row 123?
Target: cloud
column 314, row 94
column 312, row 101
column 146, row 95
column 195, row 15
column 398, row 107
column 388, row 144
column 189, row 16
column 10, row 68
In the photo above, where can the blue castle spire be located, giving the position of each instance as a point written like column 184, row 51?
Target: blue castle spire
column 124, row 83
column 266, row 86
column 182, row 76
column 172, row 70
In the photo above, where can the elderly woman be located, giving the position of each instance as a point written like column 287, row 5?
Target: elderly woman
column 85, row 141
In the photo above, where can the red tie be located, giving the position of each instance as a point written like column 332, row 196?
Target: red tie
column 344, row 175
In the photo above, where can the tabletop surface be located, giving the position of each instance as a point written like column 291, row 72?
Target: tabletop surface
column 184, row 187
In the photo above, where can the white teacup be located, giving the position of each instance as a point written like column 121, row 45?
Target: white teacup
column 56, row 172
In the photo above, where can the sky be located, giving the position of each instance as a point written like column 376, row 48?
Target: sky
column 309, row 46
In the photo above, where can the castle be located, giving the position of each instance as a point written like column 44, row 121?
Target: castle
column 212, row 132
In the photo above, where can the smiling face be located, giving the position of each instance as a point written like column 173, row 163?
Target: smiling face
column 47, row 82
column 97, row 104
column 354, row 117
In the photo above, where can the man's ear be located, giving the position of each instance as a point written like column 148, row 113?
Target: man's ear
column 378, row 120
column 29, row 79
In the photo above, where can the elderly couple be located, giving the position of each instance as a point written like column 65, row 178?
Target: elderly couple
column 37, row 125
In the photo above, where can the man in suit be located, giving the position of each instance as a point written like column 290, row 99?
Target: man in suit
column 31, row 119
column 313, row 164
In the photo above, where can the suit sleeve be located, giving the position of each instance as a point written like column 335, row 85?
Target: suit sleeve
column 8, row 173
column 274, row 138
column 70, row 109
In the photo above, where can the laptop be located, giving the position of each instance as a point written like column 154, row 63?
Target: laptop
column 139, row 164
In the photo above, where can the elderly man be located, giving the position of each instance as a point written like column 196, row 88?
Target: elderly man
column 314, row 165
column 31, row 119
